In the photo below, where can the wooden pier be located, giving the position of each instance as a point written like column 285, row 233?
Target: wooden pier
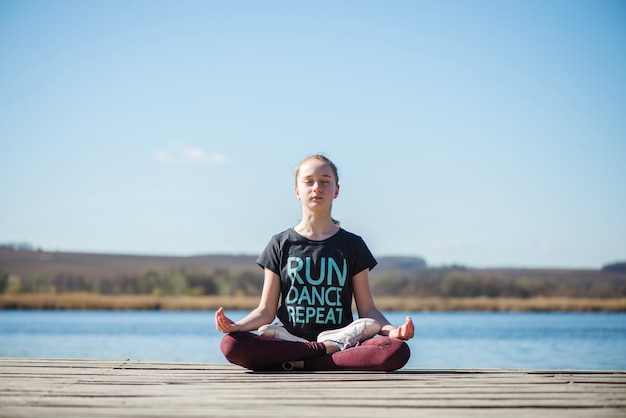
column 122, row 388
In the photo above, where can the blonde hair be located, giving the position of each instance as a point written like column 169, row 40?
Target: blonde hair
column 325, row 160
column 322, row 158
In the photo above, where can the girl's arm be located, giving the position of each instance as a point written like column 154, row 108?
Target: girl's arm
column 261, row 315
column 367, row 309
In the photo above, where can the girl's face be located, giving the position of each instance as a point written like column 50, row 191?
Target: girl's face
column 316, row 184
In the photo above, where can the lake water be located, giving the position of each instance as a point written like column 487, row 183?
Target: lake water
column 593, row 341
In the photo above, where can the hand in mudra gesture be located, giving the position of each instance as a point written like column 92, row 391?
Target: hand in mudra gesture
column 404, row 332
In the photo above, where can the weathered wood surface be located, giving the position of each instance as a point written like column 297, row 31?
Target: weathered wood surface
column 123, row 388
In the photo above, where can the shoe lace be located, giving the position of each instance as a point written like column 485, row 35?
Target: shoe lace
column 351, row 339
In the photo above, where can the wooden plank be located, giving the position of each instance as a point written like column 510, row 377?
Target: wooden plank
column 123, row 388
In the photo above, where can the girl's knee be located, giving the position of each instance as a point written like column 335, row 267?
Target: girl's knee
column 227, row 344
column 403, row 354
column 234, row 347
column 393, row 353
column 399, row 354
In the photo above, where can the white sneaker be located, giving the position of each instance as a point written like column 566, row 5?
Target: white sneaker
column 279, row 332
column 351, row 335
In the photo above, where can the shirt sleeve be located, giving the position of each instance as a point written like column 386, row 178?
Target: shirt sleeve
column 270, row 257
column 364, row 258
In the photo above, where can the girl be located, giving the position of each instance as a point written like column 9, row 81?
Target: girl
column 314, row 270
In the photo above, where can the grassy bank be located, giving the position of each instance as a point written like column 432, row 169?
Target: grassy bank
column 83, row 301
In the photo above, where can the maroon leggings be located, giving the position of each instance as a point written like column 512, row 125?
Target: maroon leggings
column 257, row 353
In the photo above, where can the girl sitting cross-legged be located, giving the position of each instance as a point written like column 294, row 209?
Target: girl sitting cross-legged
column 313, row 272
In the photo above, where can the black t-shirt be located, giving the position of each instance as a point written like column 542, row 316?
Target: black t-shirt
column 316, row 279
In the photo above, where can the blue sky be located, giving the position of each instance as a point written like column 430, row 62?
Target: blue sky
column 485, row 133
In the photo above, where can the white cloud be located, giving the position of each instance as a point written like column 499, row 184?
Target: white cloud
column 189, row 155
column 199, row 155
column 161, row 156
column 545, row 247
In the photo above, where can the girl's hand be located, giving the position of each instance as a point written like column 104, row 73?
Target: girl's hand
column 403, row 332
column 223, row 323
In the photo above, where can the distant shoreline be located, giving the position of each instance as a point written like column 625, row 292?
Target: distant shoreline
column 91, row 301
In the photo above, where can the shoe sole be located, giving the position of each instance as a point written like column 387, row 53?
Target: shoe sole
column 370, row 330
column 279, row 333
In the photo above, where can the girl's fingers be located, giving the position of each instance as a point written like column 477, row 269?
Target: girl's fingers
column 223, row 323
column 219, row 320
column 409, row 328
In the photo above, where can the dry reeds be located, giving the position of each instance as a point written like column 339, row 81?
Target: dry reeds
column 536, row 304
column 88, row 301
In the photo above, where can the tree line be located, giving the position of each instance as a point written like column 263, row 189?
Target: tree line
column 461, row 282
column 427, row 282
column 153, row 281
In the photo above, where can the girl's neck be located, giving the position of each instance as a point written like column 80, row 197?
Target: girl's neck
column 316, row 229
